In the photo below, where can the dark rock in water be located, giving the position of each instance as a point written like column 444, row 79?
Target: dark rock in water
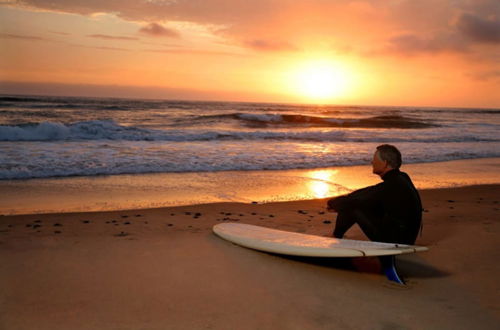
column 138, row 215
column 38, row 221
column 187, row 213
column 36, row 226
column 271, row 216
column 255, row 202
column 228, row 213
column 321, row 212
column 86, row 221
column 126, row 223
column 253, row 213
column 170, row 224
column 197, row 215
column 327, row 221
column 29, row 225
column 124, row 216
column 121, row 234
column 302, row 212
column 242, row 215
column 57, row 232
column 114, row 221
column 57, row 225
column 450, row 201
column 172, row 214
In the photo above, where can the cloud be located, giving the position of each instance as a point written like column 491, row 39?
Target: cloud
column 412, row 44
column 408, row 27
column 269, row 45
column 60, row 33
column 493, row 75
column 21, row 37
column 113, row 48
column 479, row 30
column 108, row 37
column 156, row 30
column 194, row 52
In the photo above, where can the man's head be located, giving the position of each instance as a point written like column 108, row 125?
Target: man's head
column 386, row 158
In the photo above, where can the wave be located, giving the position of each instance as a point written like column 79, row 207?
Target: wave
column 82, row 160
column 109, row 130
column 371, row 122
column 260, row 120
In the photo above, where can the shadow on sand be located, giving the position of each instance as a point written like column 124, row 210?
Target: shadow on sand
column 407, row 266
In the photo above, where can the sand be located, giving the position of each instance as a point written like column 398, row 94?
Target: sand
column 164, row 269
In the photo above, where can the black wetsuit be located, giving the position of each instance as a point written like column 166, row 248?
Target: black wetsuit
column 390, row 211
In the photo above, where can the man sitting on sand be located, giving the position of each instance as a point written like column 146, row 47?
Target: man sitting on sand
column 390, row 211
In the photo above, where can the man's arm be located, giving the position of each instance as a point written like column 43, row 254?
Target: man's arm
column 362, row 197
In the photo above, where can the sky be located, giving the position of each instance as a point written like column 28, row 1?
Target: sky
column 378, row 52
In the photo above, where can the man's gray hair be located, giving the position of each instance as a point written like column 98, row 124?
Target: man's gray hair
column 390, row 154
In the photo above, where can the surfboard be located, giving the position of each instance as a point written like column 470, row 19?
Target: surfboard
column 305, row 245
column 297, row 244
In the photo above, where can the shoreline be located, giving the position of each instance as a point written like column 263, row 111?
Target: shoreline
column 163, row 268
column 144, row 191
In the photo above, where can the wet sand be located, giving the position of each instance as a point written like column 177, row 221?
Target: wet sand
column 143, row 191
column 163, row 268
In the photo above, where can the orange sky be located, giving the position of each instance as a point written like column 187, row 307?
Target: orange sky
column 379, row 52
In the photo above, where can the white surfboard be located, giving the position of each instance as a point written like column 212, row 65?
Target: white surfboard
column 296, row 244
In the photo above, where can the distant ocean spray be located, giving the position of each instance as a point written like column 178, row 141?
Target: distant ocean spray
column 66, row 136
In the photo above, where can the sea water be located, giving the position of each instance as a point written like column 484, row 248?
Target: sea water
column 46, row 137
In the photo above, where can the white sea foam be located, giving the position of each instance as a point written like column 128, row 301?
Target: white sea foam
column 47, row 137
column 109, row 130
column 49, row 159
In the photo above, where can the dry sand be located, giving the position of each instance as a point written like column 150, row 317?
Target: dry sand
column 164, row 269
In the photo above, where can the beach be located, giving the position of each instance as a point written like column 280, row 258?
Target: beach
column 163, row 268
column 108, row 206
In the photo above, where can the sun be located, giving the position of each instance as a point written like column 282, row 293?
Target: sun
column 320, row 80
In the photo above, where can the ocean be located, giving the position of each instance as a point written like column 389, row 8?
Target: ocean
column 49, row 137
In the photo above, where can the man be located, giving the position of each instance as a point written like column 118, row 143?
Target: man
column 390, row 211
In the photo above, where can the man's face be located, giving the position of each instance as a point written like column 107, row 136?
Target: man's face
column 379, row 166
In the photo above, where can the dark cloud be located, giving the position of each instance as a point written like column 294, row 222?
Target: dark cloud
column 493, row 75
column 153, row 92
column 193, row 52
column 478, row 29
column 412, row 44
column 108, row 37
column 268, row 45
column 156, row 30
column 113, row 48
column 60, row 33
column 21, row 37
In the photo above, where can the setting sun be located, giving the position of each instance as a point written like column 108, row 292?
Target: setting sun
column 321, row 81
